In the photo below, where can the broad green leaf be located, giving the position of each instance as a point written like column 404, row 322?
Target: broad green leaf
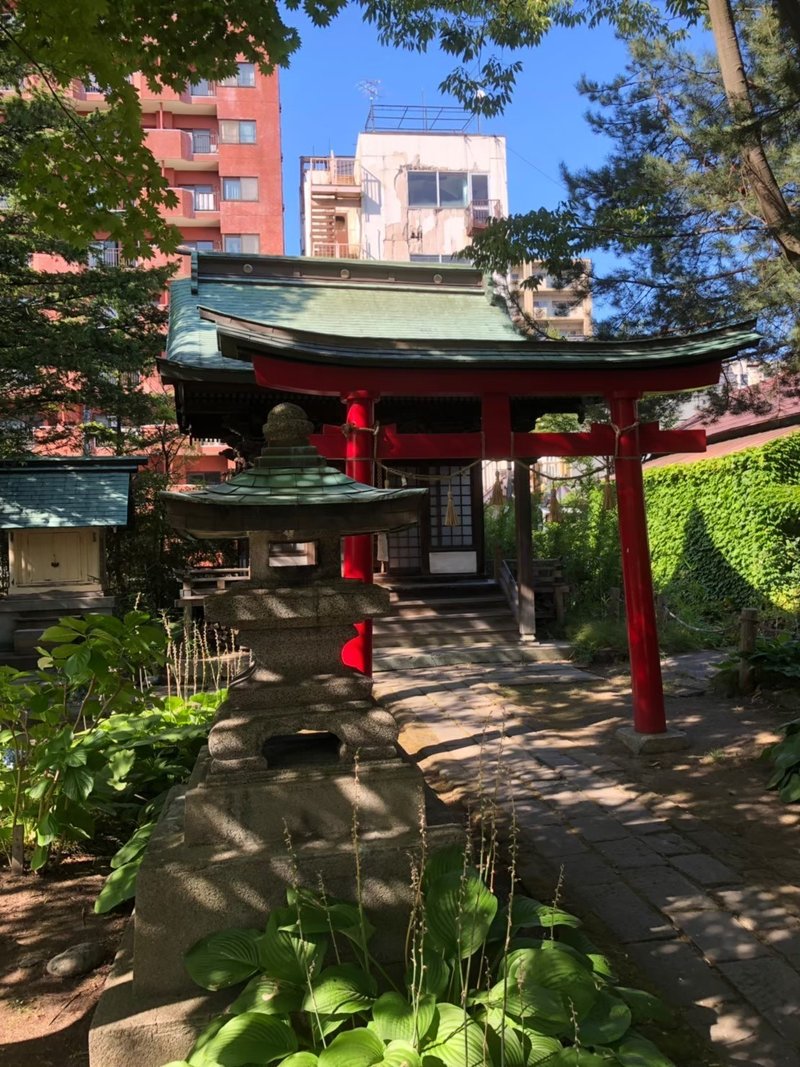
column 251, row 1038
column 75, row 665
column 505, row 1040
column 39, row 857
column 356, row 1048
column 340, row 990
column 459, row 910
column 134, row 845
column 269, row 996
column 431, row 974
column 527, row 912
column 644, row 1006
column 223, row 959
column 395, row 1019
column 47, row 829
column 286, row 955
column 119, row 886
column 77, row 783
column 636, row 1051
column 301, row 1059
column 449, row 860
column 606, row 1021
column 577, row 1057
column 529, row 1005
column 53, row 634
column 458, row 1041
column 534, row 971
column 400, row 1054
column 541, row 1046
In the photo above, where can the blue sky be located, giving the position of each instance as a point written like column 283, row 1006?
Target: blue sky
column 324, row 109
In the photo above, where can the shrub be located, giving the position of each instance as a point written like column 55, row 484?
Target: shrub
column 83, row 740
column 486, row 985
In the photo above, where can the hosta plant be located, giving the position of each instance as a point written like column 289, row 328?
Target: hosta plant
column 785, row 755
column 486, row 985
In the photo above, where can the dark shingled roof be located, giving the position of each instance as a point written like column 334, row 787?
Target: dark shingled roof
column 63, row 491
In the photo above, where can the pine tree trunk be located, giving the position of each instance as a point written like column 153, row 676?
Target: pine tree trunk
column 774, row 210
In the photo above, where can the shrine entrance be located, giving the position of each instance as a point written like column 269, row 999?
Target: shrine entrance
column 449, row 537
column 432, row 372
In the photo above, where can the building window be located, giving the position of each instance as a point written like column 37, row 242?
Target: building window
column 240, row 188
column 446, row 188
column 202, row 88
column 244, row 78
column 203, row 478
column 241, row 242
column 237, row 131
column 418, row 257
column 104, row 254
column 203, row 196
column 202, row 141
column 199, row 246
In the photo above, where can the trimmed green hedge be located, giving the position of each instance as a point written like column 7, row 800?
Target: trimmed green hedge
column 728, row 530
column 724, row 534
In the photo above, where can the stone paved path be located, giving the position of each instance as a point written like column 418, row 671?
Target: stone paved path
column 667, row 885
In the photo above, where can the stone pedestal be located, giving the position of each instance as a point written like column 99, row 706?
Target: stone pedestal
column 301, row 768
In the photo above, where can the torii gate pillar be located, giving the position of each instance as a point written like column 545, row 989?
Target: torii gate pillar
column 649, row 719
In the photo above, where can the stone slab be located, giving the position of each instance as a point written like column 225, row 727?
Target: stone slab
column 679, row 973
column 671, row 740
column 624, row 913
column 706, row 870
column 669, row 890
column 718, row 935
column 771, row 986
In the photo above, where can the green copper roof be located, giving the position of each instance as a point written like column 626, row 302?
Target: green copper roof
column 374, row 313
column 412, row 306
column 64, row 491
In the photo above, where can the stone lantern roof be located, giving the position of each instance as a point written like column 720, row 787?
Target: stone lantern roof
column 291, row 489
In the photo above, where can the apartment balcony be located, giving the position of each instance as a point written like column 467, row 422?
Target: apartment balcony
column 182, row 150
column 193, row 209
column 479, row 213
column 86, row 96
column 105, row 254
column 192, row 100
column 339, row 173
column 334, row 250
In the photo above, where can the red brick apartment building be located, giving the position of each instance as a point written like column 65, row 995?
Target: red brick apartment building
column 219, row 147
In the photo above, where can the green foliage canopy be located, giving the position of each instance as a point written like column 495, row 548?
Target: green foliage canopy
column 79, row 337
column 94, row 173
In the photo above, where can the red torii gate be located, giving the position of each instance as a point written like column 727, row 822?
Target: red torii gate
column 360, row 373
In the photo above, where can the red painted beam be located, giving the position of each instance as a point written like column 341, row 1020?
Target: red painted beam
column 599, row 441
column 320, row 379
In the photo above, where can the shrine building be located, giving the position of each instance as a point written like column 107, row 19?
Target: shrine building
column 417, row 373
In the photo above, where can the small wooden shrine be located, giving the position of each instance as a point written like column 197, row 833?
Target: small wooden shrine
column 420, row 369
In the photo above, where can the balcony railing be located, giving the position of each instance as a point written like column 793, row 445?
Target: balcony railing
column 333, row 250
column 330, row 170
column 204, row 142
column 203, row 88
column 108, row 256
column 481, row 212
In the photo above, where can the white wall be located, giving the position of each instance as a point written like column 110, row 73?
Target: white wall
column 388, row 224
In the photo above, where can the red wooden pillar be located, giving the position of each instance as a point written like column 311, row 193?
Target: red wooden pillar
column 358, row 550
column 648, row 693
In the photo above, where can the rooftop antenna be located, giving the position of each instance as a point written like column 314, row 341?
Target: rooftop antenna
column 371, row 88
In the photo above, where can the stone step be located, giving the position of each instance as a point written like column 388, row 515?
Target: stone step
column 403, row 659
column 435, row 588
column 27, row 640
column 454, row 610
column 473, row 622
column 468, row 639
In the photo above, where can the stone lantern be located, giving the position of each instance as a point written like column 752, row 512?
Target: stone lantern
column 302, row 780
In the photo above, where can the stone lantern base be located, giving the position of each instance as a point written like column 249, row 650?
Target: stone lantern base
column 207, row 868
